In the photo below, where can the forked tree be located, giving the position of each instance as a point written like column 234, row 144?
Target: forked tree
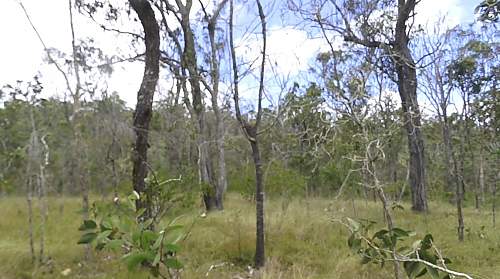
column 250, row 127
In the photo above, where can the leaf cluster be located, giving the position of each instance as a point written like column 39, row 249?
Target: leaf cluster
column 118, row 228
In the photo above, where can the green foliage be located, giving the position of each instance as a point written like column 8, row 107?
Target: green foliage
column 118, row 227
column 388, row 245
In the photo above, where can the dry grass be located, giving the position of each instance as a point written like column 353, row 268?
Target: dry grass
column 301, row 239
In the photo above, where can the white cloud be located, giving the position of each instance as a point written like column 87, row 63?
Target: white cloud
column 290, row 50
column 429, row 13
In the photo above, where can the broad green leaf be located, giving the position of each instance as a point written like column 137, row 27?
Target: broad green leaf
column 103, row 236
column 415, row 269
column 354, row 242
column 106, row 224
column 172, row 247
column 380, row 234
column 427, row 242
column 87, row 238
column 114, row 244
column 134, row 259
column 158, row 241
column 433, row 272
column 87, row 225
column 173, row 234
column 400, row 232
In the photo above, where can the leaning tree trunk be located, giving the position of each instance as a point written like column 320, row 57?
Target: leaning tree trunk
column 144, row 106
column 407, row 87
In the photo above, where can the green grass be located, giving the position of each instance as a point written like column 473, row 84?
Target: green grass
column 301, row 241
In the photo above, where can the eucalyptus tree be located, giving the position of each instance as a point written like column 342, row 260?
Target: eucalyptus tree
column 251, row 127
column 187, row 59
column 144, row 106
column 385, row 27
column 214, row 89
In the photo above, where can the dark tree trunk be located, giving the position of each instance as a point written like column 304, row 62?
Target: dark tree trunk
column 407, row 86
column 259, row 199
column 144, row 107
column 459, row 193
column 251, row 131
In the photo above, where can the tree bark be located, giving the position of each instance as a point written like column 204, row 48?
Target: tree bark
column 259, row 200
column 189, row 62
column 144, row 107
column 407, row 87
column 405, row 69
column 219, row 119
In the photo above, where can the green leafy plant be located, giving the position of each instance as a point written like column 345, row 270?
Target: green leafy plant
column 117, row 227
column 380, row 247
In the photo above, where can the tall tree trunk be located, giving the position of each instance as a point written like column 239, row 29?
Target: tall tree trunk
column 219, row 119
column 460, row 175
column 189, row 61
column 144, row 106
column 407, row 87
column 252, row 130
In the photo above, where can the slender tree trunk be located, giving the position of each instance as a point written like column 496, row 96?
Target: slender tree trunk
column 447, row 153
column 33, row 157
column 481, row 177
column 459, row 198
column 190, row 63
column 259, row 198
column 219, row 120
column 494, row 194
column 251, row 130
column 29, row 200
column 459, row 190
column 42, row 196
column 222, row 180
column 144, row 106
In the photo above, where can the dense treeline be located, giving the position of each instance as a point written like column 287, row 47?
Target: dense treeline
column 306, row 152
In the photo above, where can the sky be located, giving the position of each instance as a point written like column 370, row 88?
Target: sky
column 22, row 55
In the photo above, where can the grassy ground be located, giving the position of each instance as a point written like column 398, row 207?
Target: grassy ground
column 301, row 239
